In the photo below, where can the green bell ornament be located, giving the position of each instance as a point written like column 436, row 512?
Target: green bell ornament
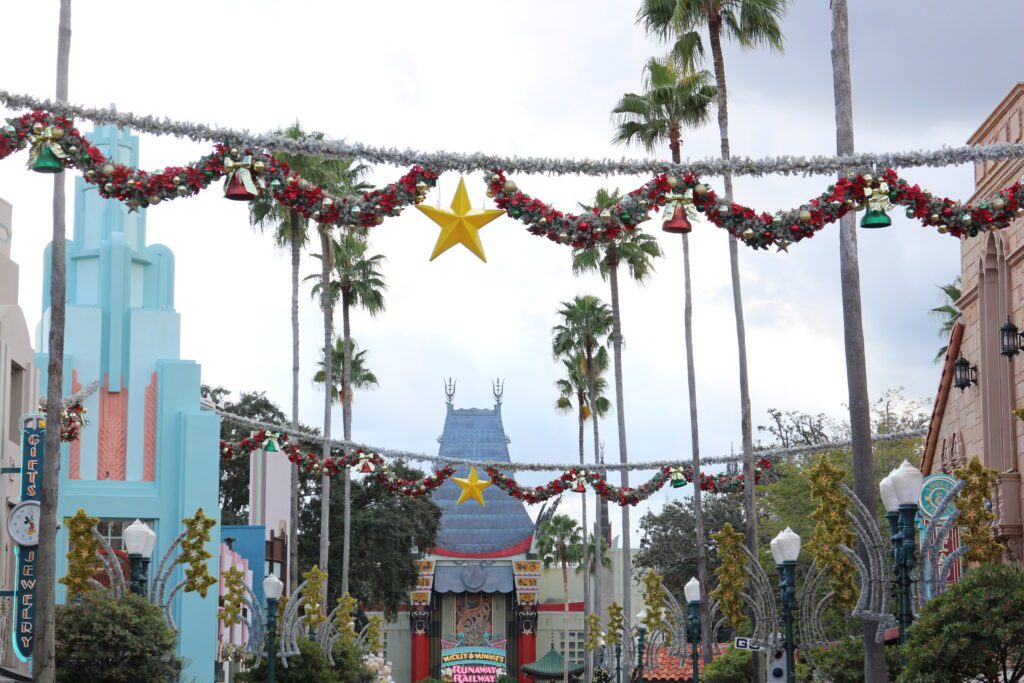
column 875, row 219
column 46, row 155
column 878, row 203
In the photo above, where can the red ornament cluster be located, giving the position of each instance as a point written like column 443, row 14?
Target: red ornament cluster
column 72, row 421
column 756, row 229
column 138, row 188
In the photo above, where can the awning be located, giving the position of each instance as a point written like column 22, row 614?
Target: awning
column 550, row 666
column 474, row 578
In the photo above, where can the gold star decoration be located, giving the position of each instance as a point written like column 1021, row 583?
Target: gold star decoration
column 461, row 224
column 82, row 554
column 472, row 488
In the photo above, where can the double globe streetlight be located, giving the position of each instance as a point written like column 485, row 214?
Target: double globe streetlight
column 901, row 494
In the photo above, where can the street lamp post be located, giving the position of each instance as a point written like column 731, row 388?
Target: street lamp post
column 272, row 589
column 139, row 540
column 901, row 491
column 618, row 662
column 785, row 551
column 692, row 592
column 641, row 635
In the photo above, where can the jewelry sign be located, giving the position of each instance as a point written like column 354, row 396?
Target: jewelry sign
column 23, row 526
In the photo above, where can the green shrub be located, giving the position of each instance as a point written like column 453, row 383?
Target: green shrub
column 311, row 664
column 105, row 639
column 973, row 631
column 505, row 679
column 733, row 666
column 348, row 664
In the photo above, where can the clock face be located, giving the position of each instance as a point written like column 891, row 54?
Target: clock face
column 23, row 523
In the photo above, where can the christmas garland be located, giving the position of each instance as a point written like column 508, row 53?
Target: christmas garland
column 575, row 480
column 758, row 230
column 57, row 144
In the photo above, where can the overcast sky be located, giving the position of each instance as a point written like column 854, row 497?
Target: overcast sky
column 529, row 78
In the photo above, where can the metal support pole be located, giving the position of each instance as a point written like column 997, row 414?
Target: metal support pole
column 618, row 662
column 640, row 653
column 694, row 635
column 908, row 537
column 137, row 582
column 271, row 633
column 787, row 571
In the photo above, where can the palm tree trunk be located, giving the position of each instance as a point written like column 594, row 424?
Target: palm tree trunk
column 325, row 482
column 346, row 406
column 293, row 526
column 565, row 621
column 599, row 510
column 43, row 665
column 749, row 511
column 698, row 511
column 853, row 327
column 587, row 606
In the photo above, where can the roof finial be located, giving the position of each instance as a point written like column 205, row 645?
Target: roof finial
column 449, row 390
column 498, row 386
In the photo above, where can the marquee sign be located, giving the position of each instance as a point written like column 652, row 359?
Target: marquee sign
column 935, row 488
column 32, row 448
column 424, row 583
column 527, row 575
column 472, row 663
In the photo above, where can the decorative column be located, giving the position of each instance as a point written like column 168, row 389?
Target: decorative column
column 419, row 621
column 527, row 645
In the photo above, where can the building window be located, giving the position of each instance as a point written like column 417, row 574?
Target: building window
column 574, row 651
column 113, row 530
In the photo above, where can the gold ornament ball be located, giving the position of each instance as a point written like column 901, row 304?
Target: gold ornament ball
column 672, row 181
column 182, row 190
column 292, row 180
column 495, row 178
column 176, row 180
column 109, row 187
column 935, row 218
column 37, row 128
column 748, row 234
column 805, row 215
column 73, row 149
column 259, row 166
column 90, row 174
column 998, row 204
column 233, row 151
column 379, row 220
column 867, row 178
column 943, row 229
column 510, row 186
column 1020, row 212
column 154, row 200
column 421, row 187
column 108, row 169
column 606, row 214
column 328, row 202
column 57, row 133
column 543, row 220
column 700, row 189
column 490, row 194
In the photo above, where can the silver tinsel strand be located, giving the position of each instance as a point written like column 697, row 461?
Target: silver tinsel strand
column 396, row 454
column 465, row 163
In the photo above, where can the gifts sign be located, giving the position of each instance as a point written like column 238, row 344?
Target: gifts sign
column 33, row 432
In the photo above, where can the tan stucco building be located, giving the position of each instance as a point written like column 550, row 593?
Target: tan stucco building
column 977, row 421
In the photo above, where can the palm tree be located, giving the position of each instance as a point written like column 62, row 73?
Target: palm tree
column 671, row 101
column 853, row 324
column 354, row 280
column 594, row 550
column 637, row 250
column 361, row 376
column 559, row 542
column 752, row 24
column 43, row 664
column 948, row 312
column 291, row 230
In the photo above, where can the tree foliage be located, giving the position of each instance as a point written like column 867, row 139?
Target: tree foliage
column 102, row 638
column 973, row 631
column 311, row 664
column 732, row 666
column 387, row 532
column 843, row 662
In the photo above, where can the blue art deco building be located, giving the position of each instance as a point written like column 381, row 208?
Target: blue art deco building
column 148, row 451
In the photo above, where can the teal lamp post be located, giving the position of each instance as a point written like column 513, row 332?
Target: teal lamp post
column 139, row 540
column 641, row 636
column 785, row 551
column 901, row 493
column 272, row 589
column 692, row 592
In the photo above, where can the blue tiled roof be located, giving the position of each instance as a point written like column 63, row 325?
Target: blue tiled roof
column 478, row 434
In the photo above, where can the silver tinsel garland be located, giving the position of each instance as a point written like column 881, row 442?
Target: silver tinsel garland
column 465, row 163
column 396, row 454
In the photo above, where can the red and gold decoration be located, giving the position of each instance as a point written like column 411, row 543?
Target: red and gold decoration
column 56, row 144
column 472, row 487
column 461, row 224
column 82, row 554
column 72, row 421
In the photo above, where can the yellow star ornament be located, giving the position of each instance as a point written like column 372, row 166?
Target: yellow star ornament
column 472, row 487
column 460, row 225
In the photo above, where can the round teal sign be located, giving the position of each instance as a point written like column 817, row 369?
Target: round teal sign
column 935, row 489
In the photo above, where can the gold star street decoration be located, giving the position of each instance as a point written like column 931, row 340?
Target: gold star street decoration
column 472, row 488
column 460, row 225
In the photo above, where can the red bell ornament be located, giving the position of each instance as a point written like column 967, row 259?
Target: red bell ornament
column 240, row 184
column 675, row 219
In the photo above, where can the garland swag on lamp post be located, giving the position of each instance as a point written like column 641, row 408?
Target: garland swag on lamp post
column 272, row 589
column 901, row 491
column 785, row 551
column 139, row 540
column 692, row 592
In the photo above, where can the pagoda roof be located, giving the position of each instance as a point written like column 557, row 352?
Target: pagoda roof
column 502, row 528
column 550, row 666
